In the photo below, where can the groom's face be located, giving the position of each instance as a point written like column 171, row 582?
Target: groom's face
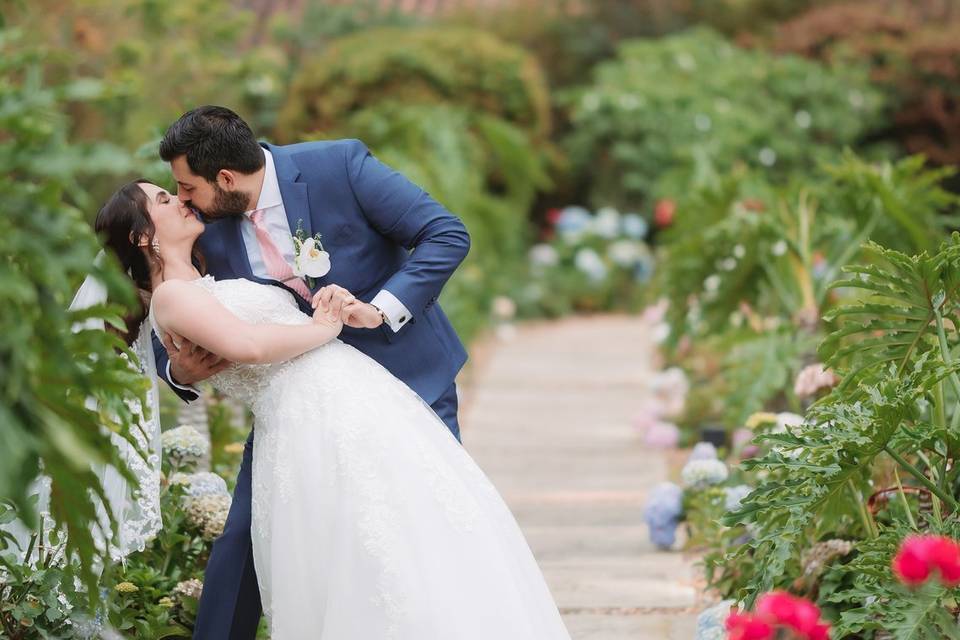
column 210, row 199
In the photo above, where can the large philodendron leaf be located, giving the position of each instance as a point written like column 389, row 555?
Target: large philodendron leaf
column 895, row 319
column 818, row 473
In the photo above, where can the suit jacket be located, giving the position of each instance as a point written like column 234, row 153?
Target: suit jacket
column 382, row 232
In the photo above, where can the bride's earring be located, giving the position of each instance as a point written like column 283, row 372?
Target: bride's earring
column 155, row 246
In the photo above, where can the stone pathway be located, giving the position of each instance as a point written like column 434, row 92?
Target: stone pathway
column 547, row 416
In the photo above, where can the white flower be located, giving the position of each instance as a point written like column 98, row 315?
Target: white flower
column 504, row 308
column 786, row 419
column 700, row 474
column 202, row 483
column 739, row 251
column 813, row 378
column 629, row 102
column 624, row 253
column 703, row 451
column 191, row 588
column 590, row 102
column 660, row 332
column 728, row 264
column 311, row 261
column 779, row 248
column 589, row 262
column 711, row 283
column 767, row 157
column 543, row 255
column 606, row 224
column 184, row 445
column 208, row 514
column 803, row 119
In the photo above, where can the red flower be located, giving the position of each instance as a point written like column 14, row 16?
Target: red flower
column 744, row 626
column 553, row 215
column 918, row 556
column 663, row 213
column 778, row 609
column 754, row 204
column 799, row 614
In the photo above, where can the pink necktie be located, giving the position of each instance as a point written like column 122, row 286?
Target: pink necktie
column 277, row 267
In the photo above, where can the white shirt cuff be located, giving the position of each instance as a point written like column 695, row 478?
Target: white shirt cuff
column 397, row 314
column 180, row 386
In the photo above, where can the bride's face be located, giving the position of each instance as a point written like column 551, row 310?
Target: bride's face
column 174, row 223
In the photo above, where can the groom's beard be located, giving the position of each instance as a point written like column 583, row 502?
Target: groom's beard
column 226, row 204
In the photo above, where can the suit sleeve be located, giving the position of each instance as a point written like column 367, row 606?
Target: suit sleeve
column 187, row 394
column 408, row 215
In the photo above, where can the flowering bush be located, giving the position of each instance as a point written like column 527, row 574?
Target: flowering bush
column 668, row 113
column 594, row 262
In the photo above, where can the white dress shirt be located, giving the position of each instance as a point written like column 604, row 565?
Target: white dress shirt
column 275, row 219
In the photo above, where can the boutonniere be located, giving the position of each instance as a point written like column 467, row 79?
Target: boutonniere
column 309, row 258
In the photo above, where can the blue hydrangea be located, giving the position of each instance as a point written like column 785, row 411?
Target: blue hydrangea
column 573, row 221
column 635, row 226
column 710, row 622
column 734, row 495
column 662, row 513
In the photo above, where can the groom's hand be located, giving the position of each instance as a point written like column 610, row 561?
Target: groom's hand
column 362, row 315
column 190, row 363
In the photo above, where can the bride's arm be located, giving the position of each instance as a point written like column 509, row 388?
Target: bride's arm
column 187, row 310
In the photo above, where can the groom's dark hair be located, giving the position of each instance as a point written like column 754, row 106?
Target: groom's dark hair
column 212, row 138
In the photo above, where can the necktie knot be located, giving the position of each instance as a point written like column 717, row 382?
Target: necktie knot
column 256, row 217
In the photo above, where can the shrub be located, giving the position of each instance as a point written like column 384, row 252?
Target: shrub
column 913, row 51
column 416, row 66
column 671, row 113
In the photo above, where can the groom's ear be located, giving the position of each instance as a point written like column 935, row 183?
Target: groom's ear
column 226, row 179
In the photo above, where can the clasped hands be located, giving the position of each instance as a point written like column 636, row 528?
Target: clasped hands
column 190, row 363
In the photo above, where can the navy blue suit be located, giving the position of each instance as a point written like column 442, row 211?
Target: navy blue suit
column 382, row 232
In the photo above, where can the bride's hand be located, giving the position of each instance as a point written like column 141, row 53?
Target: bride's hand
column 324, row 315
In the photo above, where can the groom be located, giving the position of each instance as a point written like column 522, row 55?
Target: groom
column 391, row 247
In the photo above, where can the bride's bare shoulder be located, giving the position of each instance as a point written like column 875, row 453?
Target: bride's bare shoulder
column 171, row 293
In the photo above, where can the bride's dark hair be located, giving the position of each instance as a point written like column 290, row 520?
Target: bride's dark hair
column 123, row 222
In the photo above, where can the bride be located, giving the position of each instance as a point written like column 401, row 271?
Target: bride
column 370, row 521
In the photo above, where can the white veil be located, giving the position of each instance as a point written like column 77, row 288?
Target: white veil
column 136, row 509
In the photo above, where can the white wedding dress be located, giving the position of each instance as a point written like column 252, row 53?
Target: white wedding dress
column 370, row 521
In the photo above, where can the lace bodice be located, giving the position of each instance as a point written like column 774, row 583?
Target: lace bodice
column 258, row 304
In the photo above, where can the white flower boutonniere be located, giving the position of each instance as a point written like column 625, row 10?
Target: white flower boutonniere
column 310, row 260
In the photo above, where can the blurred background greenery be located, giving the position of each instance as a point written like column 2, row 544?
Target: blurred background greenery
column 602, row 153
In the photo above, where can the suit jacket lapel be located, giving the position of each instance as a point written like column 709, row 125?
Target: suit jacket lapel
column 296, row 201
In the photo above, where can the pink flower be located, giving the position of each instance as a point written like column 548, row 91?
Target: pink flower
column 741, row 437
column 799, row 614
column 920, row 555
column 779, row 609
column 813, row 378
column 662, row 435
column 743, row 626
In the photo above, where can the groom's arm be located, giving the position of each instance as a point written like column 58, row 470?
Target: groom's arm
column 407, row 214
column 186, row 393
